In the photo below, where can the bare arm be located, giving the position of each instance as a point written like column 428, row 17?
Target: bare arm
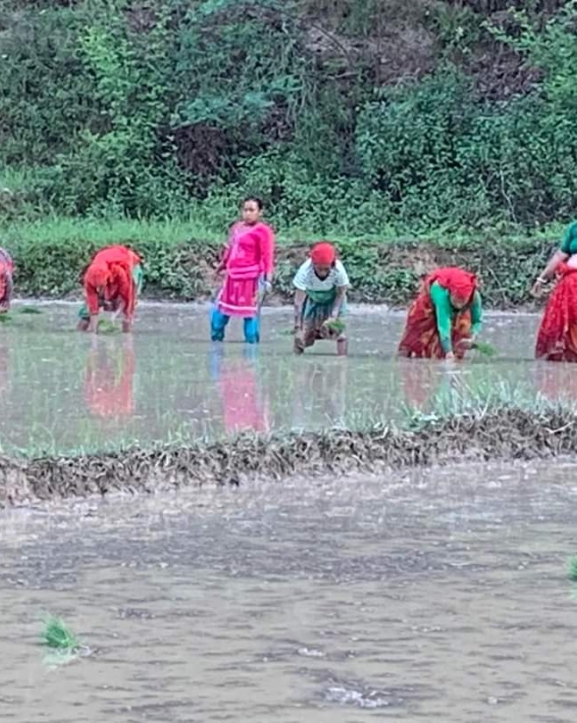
column 549, row 271
column 558, row 258
column 300, row 297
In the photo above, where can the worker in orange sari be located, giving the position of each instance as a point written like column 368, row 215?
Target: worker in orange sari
column 6, row 273
column 557, row 335
column 112, row 282
column 445, row 318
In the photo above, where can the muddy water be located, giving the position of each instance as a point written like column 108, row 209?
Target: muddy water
column 61, row 391
column 437, row 595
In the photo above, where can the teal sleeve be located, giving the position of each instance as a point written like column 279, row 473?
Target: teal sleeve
column 568, row 238
column 476, row 314
column 443, row 314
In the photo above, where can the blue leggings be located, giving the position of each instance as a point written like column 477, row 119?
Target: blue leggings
column 218, row 322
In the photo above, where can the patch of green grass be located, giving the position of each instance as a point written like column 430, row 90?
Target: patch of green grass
column 572, row 569
column 58, row 636
column 5, row 318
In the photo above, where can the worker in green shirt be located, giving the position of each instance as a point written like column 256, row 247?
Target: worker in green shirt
column 445, row 318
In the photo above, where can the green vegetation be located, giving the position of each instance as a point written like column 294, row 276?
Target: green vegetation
column 106, row 326
column 56, row 635
column 366, row 121
column 572, row 569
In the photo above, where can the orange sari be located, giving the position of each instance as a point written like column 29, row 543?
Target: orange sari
column 421, row 336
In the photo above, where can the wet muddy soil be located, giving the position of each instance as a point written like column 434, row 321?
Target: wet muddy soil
column 436, row 595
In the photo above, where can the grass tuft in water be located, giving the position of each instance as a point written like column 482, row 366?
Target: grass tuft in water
column 572, row 569
column 58, row 636
column 5, row 318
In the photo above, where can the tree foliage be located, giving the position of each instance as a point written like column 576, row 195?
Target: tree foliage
column 149, row 109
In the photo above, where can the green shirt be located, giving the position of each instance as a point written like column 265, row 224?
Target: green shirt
column 569, row 243
column 445, row 313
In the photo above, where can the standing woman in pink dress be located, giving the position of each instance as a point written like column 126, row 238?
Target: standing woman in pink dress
column 247, row 264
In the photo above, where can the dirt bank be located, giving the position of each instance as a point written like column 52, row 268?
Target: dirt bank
column 381, row 272
column 507, row 434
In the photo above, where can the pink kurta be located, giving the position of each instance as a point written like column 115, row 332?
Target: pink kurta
column 248, row 256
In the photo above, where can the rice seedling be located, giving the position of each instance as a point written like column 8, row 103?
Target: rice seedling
column 105, row 326
column 29, row 310
column 5, row 318
column 484, row 348
column 572, row 569
column 336, row 326
column 58, row 636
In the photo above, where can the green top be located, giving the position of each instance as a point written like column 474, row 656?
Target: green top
column 445, row 312
column 569, row 243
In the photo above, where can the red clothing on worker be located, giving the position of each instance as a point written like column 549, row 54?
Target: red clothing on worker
column 109, row 276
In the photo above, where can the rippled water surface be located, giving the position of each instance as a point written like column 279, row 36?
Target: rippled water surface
column 437, row 595
column 64, row 391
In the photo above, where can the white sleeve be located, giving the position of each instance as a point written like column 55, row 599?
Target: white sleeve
column 341, row 276
column 300, row 279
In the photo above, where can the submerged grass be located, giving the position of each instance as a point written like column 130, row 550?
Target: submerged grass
column 572, row 569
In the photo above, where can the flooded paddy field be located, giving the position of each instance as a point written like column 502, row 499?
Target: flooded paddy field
column 437, row 595
column 61, row 391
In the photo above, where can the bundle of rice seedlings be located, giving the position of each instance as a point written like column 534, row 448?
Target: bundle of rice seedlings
column 5, row 318
column 483, row 347
column 336, row 326
column 105, row 326
column 58, row 636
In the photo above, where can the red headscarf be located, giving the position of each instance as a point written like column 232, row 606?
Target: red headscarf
column 459, row 283
column 323, row 254
column 97, row 275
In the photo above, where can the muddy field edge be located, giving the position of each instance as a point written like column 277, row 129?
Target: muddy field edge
column 510, row 434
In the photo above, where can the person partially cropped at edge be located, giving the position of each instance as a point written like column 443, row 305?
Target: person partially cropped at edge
column 445, row 318
column 112, row 282
column 557, row 335
column 247, row 265
column 321, row 285
column 6, row 282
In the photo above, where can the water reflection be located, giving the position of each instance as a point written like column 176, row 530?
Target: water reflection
column 4, row 365
column 320, row 391
column 109, row 378
column 557, row 381
column 243, row 401
column 420, row 380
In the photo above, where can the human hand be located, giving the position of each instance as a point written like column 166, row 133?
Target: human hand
column 449, row 356
column 538, row 287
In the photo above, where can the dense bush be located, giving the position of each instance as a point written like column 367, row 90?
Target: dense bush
column 142, row 109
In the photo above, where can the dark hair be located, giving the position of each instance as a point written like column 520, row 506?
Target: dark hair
column 259, row 202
